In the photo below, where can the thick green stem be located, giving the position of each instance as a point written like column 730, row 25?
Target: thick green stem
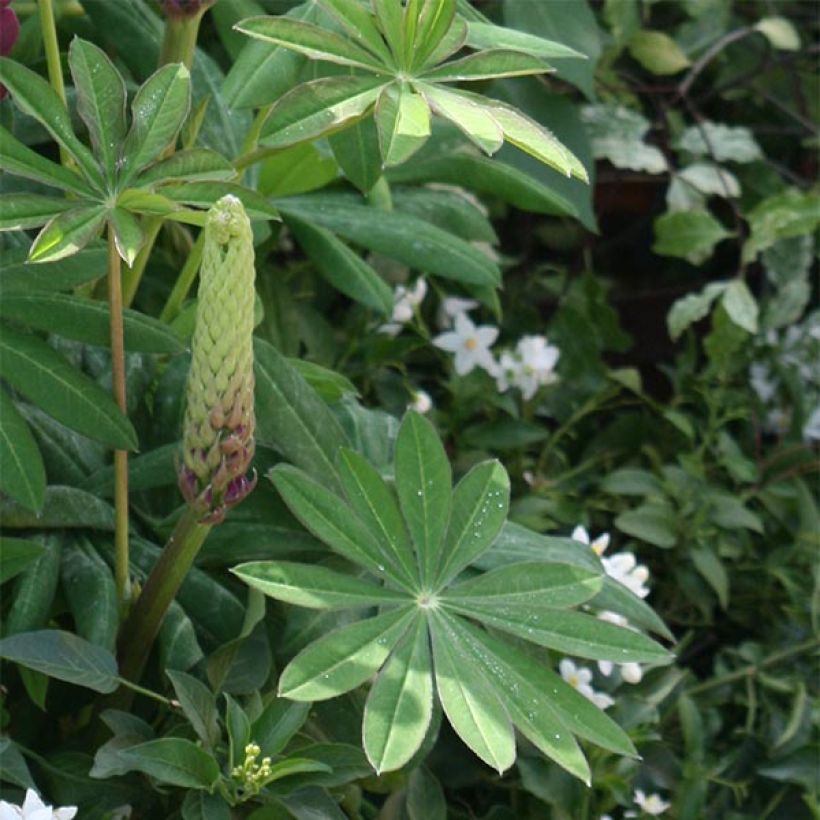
column 148, row 612
column 753, row 668
column 118, row 388
column 184, row 281
column 52, row 50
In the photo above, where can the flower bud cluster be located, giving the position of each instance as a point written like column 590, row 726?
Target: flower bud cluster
column 252, row 776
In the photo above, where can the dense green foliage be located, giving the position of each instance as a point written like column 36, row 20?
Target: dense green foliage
column 531, row 278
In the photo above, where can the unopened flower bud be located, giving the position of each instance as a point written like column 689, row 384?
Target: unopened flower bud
column 185, row 8
column 218, row 445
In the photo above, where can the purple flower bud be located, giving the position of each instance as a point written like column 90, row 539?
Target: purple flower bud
column 9, row 32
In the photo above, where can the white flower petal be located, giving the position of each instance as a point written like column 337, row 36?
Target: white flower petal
column 450, row 341
column 580, row 534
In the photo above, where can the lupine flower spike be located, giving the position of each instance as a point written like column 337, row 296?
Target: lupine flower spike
column 218, row 443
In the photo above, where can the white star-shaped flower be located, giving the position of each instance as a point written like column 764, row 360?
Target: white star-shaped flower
column 580, row 678
column 470, row 344
column 405, row 302
column 34, row 808
column 650, row 803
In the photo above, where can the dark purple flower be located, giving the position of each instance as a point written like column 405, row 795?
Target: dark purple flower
column 9, row 31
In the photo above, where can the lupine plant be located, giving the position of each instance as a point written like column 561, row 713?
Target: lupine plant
column 457, row 484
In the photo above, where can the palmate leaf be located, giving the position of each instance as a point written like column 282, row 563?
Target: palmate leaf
column 407, row 46
column 68, row 233
column 23, row 211
column 419, row 539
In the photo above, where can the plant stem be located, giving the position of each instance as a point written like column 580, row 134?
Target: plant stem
column 184, row 281
column 166, row 577
column 52, row 49
column 178, row 46
column 379, row 196
column 118, row 388
column 754, row 668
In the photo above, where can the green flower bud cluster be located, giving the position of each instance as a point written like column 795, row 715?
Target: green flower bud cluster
column 252, row 776
column 218, row 444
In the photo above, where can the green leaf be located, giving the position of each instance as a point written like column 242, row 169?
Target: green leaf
column 82, row 267
column 343, row 268
column 128, row 234
column 480, row 504
column 39, row 373
column 200, row 164
column 474, row 710
column 344, row 658
column 23, row 211
column 486, row 176
column 15, row 555
column 37, row 98
column 434, row 21
column 400, row 704
column 740, row 305
column 403, row 122
column 720, row 143
column 204, row 194
column 531, row 137
column 89, row 588
column 658, row 52
column 534, row 692
column 423, row 483
column 780, row 32
column 692, row 308
column 202, row 806
column 358, row 154
column 329, row 384
column 296, row 170
column 425, row 797
column 100, row 101
column 618, row 598
column 159, row 109
column 690, row 235
column 475, row 121
column 651, row 522
column 451, row 210
column 68, row 233
column 400, row 236
column 359, row 25
column 314, row 42
column 325, row 515
column 791, row 213
column 63, row 507
column 389, row 16
column 278, row 723
column 23, row 476
column 524, row 586
column 487, row 64
column 713, row 571
column 20, row 160
column 314, row 587
column 572, row 633
column 198, row 704
column 175, row 761
column 293, row 419
column 239, row 731
column 318, row 108
column 488, row 36
column 177, row 641
column 64, row 656
column 572, row 24
column 375, row 504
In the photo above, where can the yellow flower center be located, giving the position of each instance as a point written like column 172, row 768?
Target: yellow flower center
column 470, row 344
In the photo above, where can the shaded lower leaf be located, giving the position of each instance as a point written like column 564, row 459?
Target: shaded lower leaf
column 62, row 507
column 45, row 378
column 22, row 211
column 175, row 761
column 15, row 555
column 64, row 656
column 341, row 266
column 23, row 476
